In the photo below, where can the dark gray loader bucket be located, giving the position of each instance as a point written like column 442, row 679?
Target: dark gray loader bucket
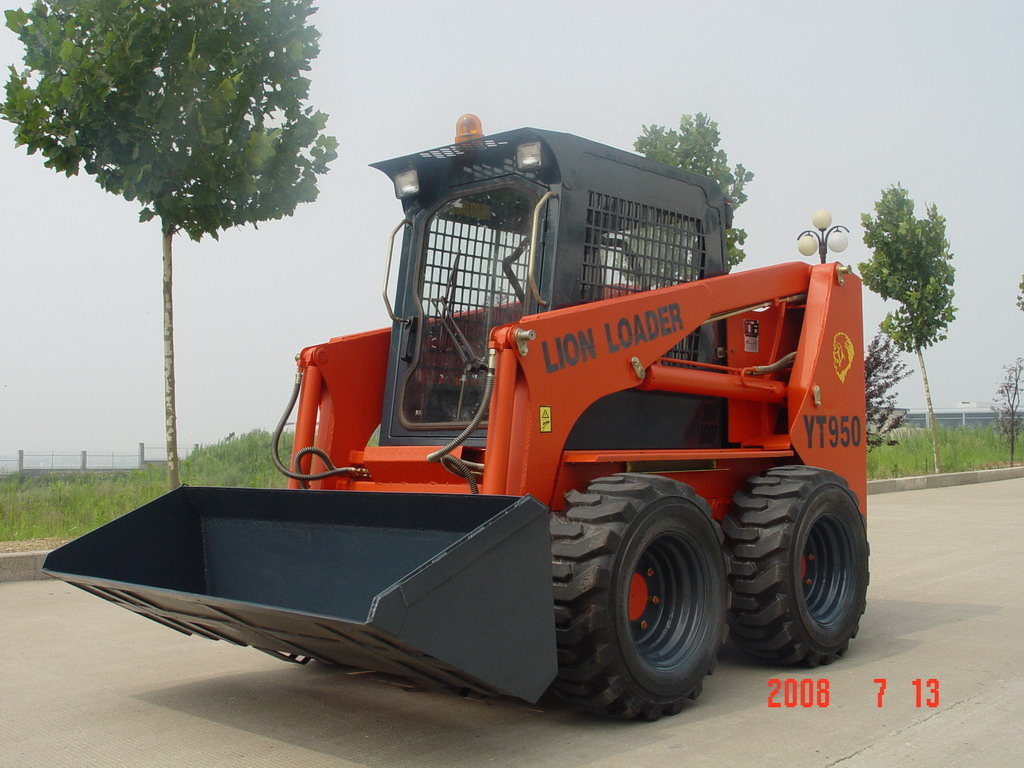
column 447, row 590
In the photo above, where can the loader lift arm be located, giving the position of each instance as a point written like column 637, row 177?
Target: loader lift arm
column 580, row 354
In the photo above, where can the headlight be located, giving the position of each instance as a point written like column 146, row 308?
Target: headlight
column 407, row 184
column 528, row 156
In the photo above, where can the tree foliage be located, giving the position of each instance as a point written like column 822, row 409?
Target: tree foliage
column 1009, row 417
column 911, row 264
column 694, row 147
column 195, row 109
column 883, row 370
column 1020, row 296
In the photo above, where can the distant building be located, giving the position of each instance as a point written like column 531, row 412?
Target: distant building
column 965, row 414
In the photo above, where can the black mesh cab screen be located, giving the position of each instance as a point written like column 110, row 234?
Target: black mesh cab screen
column 474, row 269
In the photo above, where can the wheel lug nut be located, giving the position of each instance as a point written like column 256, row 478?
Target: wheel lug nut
column 643, row 625
column 808, row 582
column 810, row 557
column 650, row 571
column 655, row 600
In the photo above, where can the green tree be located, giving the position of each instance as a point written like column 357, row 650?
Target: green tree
column 911, row 264
column 883, row 370
column 1009, row 417
column 694, row 147
column 1020, row 296
column 195, row 109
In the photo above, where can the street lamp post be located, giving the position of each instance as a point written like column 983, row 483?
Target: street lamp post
column 826, row 239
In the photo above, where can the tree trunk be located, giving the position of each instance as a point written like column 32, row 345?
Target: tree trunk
column 931, row 413
column 1014, row 403
column 1014, row 422
column 170, row 417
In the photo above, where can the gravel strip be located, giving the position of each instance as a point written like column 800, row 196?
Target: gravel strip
column 31, row 545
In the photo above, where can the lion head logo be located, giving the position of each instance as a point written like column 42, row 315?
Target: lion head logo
column 842, row 355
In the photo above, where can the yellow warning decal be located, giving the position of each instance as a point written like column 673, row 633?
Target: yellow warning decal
column 545, row 418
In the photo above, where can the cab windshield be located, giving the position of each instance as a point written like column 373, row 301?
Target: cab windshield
column 472, row 278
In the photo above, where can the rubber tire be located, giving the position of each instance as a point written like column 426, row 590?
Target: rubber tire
column 790, row 525
column 606, row 663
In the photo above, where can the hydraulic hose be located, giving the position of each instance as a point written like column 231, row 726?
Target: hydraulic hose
column 297, row 473
column 466, row 469
column 782, row 362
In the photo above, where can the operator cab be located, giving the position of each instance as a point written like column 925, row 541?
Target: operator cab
column 500, row 227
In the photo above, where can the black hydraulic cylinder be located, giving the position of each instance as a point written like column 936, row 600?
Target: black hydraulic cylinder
column 448, row 590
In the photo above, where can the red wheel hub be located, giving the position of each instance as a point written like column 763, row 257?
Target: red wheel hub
column 638, row 596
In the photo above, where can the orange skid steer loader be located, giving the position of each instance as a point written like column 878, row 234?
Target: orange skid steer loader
column 596, row 450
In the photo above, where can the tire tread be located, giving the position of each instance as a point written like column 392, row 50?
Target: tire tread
column 585, row 539
column 759, row 535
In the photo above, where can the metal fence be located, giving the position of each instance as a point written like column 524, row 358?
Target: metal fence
column 953, row 418
column 31, row 462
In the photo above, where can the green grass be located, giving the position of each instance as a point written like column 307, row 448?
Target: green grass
column 242, row 462
column 67, row 505
column 960, row 450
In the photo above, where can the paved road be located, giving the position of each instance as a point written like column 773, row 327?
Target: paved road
column 83, row 683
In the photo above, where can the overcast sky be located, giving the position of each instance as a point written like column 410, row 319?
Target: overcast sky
column 827, row 103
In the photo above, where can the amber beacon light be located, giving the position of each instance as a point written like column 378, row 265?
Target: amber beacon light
column 467, row 128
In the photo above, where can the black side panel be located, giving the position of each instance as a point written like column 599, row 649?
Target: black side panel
column 632, row 420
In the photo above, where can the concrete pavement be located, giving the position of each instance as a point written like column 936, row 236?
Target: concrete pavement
column 83, row 683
